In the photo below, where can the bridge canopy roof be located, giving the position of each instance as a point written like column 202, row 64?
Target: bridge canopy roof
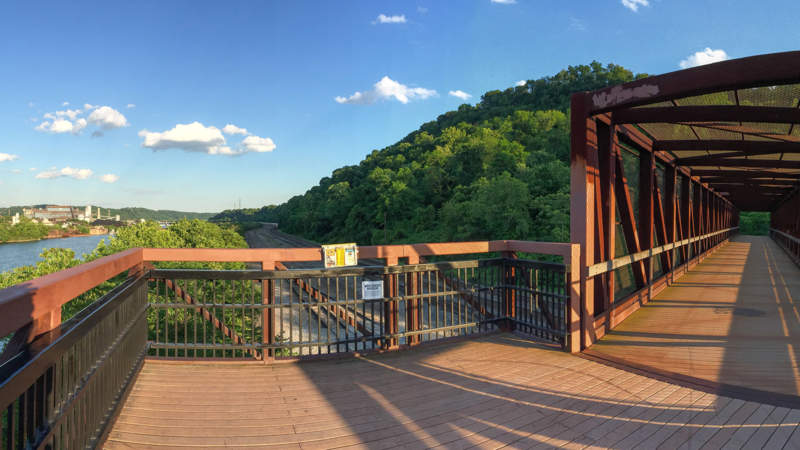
column 735, row 124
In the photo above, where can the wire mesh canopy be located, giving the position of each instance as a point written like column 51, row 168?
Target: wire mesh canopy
column 734, row 124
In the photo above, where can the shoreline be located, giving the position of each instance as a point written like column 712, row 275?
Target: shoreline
column 21, row 241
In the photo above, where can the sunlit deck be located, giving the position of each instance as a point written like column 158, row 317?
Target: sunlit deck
column 500, row 390
column 733, row 320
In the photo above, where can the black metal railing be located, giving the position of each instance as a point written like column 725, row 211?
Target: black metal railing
column 64, row 389
column 262, row 314
column 789, row 243
column 539, row 297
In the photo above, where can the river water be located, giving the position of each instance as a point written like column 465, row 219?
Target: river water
column 27, row 253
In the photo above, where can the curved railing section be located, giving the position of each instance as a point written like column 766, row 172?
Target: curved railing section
column 61, row 383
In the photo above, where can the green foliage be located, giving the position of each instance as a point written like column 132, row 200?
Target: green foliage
column 754, row 222
column 154, row 214
column 264, row 214
column 496, row 170
column 182, row 234
column 25, row 230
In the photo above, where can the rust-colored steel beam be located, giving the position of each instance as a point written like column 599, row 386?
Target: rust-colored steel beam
column 762, row 70
column 646, row 217
column 743, row 174
column 661, row 230
column 712, row 113
column 734, row 160
column 628, row 220
column 759, row 163
column 748, row 182
column 746, row 147
column 735, row 188
column 608, row 143
column 582, row 179
column 670, row 209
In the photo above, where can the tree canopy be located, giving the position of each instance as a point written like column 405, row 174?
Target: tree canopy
column 495, row 170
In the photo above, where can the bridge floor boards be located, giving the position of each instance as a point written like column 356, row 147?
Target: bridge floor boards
column 732, row 321
column 489, row 392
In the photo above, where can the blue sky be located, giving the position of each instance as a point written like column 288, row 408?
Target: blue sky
column 126, row 103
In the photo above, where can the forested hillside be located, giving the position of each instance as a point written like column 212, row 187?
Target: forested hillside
column 496, row 170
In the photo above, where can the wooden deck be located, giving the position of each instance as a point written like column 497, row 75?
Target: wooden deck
column 490, row 392
column 733, row 322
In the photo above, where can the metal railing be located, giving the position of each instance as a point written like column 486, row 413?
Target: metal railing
column 789, row 243
column 61, row 384
column 298, row 313
column 63, row 390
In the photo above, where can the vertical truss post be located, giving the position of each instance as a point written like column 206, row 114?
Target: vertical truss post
column 510, row 291
column 582, row 179
column 670, row 210
column 390, row 306
column 647, row 192
column 412, row 304
column 268, row 314
column 686, row 217
column 606, row 217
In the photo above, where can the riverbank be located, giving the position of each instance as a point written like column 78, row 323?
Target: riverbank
column 18, row 254
column 64, row 236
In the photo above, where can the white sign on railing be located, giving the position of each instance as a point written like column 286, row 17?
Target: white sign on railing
column 372, row 290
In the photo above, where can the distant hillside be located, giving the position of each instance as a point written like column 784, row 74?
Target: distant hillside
column 126, row 213
column 155, row 214
column 499, row 169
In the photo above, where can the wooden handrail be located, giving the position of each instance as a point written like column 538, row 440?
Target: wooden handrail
column 607, row 266
column 32, row 302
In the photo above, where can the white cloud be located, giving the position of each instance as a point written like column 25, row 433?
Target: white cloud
column 131, row 105
column 8, row 157
column 422, row 9
column 258, row 144
column 107, row 118
column 16, row 170
column 109, row 178
column 460, row 94
column 634, row 5
column 387, row 88
column 78, row 174
column 520, row 83
column 71, row 120
column 192, row 137
column 62, row 126
column 505, row 2
column 233, row 129
column 383, row 18
column 65, row 104
column 196, row 137
column 706, row 56
column 70, row 113
column 32, row 169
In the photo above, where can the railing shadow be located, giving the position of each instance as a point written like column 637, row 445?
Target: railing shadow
column 504, row 390
column 732, row 322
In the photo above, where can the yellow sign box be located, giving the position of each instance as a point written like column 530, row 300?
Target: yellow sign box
column 340, row 255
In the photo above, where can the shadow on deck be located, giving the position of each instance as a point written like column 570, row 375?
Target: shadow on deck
column 732, row 323
column 489, row 392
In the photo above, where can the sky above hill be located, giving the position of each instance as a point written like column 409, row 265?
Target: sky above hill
column 196, row 105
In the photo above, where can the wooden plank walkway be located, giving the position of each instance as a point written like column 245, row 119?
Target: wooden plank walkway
column 733, row 322
column 489, row 392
